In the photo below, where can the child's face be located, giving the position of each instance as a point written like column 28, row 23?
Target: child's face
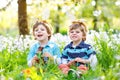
column 40, row 33
column 76, row 35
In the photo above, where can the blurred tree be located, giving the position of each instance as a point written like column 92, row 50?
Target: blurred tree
column 109, row 12
column 103, row 14
column 22, row 17
column 4, row 8
column 95, row 19
column 57, row 20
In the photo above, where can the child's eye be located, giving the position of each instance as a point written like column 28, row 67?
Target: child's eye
column 36, row 30
column 77, row 31
column 42, row 29
column 71, row 31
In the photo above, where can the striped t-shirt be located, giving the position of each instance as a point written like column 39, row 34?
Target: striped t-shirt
column 83, row 50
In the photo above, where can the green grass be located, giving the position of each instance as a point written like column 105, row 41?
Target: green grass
column 13, row 63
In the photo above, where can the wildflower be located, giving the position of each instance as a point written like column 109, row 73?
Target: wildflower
column 27, row 72
column 31, row 73
column 97, row 13
column 117, row 57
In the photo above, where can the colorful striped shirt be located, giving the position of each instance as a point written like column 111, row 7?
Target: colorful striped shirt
column 83, row 50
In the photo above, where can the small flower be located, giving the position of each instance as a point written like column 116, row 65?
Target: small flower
column 93, row 3
column 117, row 57
column 117, row 3
column 27, row 73
column 96, row 12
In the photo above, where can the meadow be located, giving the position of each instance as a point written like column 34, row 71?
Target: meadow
column 14, row 51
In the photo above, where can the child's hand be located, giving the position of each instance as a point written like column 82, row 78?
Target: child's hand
column 80, row 60
column 71, row 62
column 35, row 60
column 47, row 55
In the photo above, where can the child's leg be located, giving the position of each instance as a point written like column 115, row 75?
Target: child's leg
column 65, row 68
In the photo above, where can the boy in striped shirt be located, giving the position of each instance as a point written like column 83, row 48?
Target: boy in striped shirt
column 77, row 52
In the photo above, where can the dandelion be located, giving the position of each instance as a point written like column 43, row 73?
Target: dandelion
column 2, row 77
column 10, row 78
column 1, row 70
column 96, row 13
column 117, row 57
column 93, row 3
column 117, row 3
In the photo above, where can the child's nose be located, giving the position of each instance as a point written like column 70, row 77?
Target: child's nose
column 74, row 32
column 39, row 30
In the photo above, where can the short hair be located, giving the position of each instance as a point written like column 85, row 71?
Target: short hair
column 81, row 25
column 45, row 24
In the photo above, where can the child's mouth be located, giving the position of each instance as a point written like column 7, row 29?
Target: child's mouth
column 74, row 37
column 39, row 35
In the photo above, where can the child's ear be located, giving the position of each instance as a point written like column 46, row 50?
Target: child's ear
column 83, row 38
column 49, row 34
column 34, row 36
column 83, row 35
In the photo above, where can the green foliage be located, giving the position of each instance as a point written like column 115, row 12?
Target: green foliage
column 106, row 55
column 63, row 31
column 13, row 63
column 59, row 17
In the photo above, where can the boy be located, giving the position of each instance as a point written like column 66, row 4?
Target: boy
column 77, row 52
column 42, row 33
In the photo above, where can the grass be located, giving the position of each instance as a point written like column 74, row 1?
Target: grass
column 13, row 63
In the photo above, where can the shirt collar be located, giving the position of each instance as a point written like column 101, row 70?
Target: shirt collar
column 81, row 44
column 47, row 45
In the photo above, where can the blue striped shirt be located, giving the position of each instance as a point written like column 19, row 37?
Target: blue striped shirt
column 83, row 50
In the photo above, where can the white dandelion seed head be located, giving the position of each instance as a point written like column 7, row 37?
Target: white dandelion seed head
column 97, row 13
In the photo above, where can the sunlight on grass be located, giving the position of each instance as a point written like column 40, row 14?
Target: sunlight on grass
column 13, row 55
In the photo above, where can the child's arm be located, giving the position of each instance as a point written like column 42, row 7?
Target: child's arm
column 93, row 61
column 35, row 60
column 30, row 56
column 82, row 60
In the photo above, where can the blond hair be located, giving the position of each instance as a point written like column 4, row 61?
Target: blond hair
column 81, row 25
column 46, row 25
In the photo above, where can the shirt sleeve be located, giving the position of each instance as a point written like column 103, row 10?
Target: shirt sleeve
column 30, row 55
column 64, row 58
column 57, row 51
column 90, row 51
column 93, row 61
column 64, row 54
